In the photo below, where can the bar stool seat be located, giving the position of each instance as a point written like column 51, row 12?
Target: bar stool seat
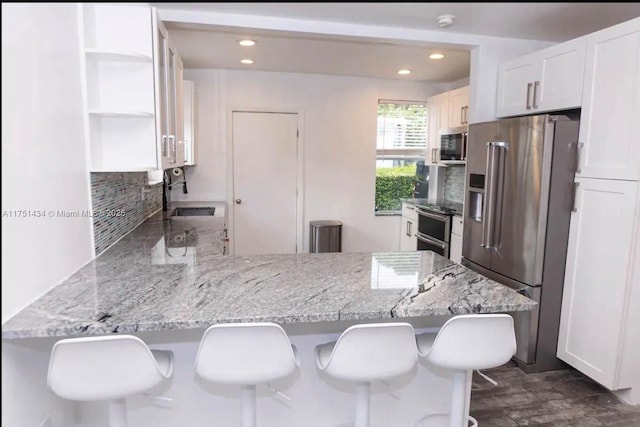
column 367, row 353
column 108, row 368
column 463, row 344
column 246, row 354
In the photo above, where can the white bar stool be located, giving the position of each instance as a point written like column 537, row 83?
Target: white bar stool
column 246, row 354
column 367, row 353
column 465, row 343
column 108, row 368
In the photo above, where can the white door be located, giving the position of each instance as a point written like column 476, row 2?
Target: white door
column 611, row 104
column 597, row 277
column 265, row 171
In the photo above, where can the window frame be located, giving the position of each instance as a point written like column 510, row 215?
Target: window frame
column 406, row 153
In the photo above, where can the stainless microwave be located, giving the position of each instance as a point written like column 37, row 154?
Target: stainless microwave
column 453, row 144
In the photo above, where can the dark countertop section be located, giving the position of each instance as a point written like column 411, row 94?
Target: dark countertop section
column 446, row 207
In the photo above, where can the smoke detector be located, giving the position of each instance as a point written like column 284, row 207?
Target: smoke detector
column 445, row 20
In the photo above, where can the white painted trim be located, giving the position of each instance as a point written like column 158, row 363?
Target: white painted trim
column 299, row 168
column 85, row 116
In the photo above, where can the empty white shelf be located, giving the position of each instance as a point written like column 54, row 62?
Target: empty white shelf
column 114, row 55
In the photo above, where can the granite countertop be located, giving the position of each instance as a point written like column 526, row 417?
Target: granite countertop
column 171, row 275
column 441, row 206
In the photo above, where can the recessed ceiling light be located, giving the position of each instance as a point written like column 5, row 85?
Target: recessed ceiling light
column 247, row 61
column 247, row 42
column 404, row 72
column 436, row 56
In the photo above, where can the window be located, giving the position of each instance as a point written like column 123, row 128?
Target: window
column 400, row 147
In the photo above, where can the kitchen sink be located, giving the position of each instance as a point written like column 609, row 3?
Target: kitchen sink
column 194, row 211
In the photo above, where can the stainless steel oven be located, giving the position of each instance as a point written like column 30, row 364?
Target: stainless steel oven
column 434, row 231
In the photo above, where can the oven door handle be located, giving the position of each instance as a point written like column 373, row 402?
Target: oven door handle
column 432, row 241
column 441, row 218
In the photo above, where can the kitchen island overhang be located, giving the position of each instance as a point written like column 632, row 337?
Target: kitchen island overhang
column 125, row 296
column 167, row 281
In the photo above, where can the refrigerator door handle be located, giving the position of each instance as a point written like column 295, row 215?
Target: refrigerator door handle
column 489, row 208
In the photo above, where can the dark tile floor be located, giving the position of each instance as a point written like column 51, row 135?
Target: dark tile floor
column 558, row 398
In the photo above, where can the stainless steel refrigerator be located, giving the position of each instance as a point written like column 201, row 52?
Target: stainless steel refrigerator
column 519, row 195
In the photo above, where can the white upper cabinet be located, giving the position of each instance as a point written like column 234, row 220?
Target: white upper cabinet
column 599, row 280
column 610, row 147
column 438, row 107
column 459, row 107
column 169, row 94
column 438, row 119
column 118, row 86
column 189, row 123
column 446, row 110
column 122, row 73
column 548, row 80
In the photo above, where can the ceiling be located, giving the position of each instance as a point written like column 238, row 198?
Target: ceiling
column 534, row 21
column 283, row 52
column 206, row 46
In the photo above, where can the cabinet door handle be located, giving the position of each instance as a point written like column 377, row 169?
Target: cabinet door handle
column 579, row 147
column 461, row 115
column 165, row 151
column 408, row 232
column 172, row 140
column 466, row 115
column 535, row 89
column 574, row 207
column 529, row 86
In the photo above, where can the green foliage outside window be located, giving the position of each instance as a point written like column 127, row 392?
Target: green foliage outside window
column 393, row 184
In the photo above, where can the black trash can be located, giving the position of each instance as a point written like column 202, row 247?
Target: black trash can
column 325, row 236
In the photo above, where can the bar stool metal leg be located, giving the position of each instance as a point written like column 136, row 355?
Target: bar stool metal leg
column 118, row 413
column 458, row 417
column 363, row 402
column 248, row 406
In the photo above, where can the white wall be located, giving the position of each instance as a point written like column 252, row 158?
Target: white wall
column 338, row 135
column 43, row 152
column 43, row 168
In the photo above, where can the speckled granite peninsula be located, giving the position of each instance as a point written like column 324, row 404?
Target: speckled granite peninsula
column 171, row 275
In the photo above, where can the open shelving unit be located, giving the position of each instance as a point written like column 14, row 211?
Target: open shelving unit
column 119, row 89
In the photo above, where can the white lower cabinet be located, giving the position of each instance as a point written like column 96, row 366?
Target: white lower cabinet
column 408, row 228
column 455, row 246
column 597, row 335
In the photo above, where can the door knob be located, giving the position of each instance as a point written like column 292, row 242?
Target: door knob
column 238, row 201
